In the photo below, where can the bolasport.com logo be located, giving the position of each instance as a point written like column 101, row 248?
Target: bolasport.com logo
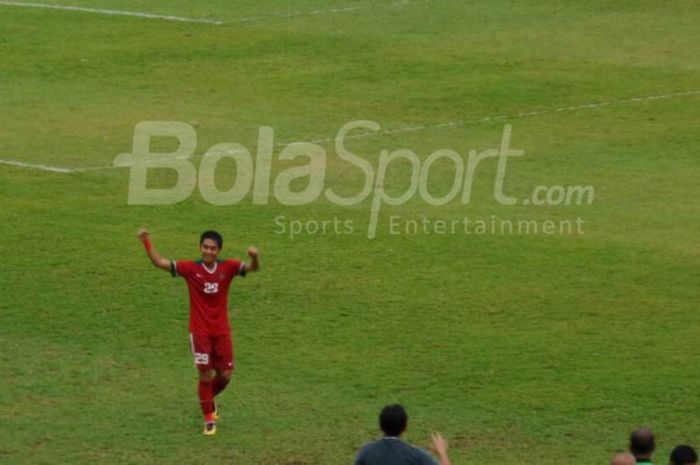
column 254, row 181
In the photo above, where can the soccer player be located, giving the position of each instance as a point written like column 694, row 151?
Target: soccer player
column 208, row 283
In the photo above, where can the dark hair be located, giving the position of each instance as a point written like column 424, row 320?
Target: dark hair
column 683, row 455
column 642, row 442
column 213, row 235
column 393, row 419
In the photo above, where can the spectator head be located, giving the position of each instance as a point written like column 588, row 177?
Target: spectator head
column 684, row 455
column 623, row 458
column 393, row 420
column 642, row 443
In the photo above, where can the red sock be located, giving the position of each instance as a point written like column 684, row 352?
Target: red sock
column 206, row 398
column 219, row 384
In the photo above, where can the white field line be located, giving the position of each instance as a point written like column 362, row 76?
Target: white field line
column 528, row 114
column 247, row 19
column 112, row 12
column 294, row 15
column 322, row 12
column 486, row 119
column 53, row 169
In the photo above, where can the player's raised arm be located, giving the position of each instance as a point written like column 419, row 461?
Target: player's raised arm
column 254, row 255
column 160, row 262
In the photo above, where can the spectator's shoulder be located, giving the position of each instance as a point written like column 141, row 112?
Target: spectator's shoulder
column 362, row 453
column 368, row 446
column 425, row 457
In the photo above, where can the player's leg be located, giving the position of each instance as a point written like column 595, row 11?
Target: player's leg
column 202, row 352
column 221, row 380
column 219, row 383
column 223, row 362
column 206, row 392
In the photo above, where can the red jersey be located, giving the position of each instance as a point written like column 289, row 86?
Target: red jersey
column 208, row 293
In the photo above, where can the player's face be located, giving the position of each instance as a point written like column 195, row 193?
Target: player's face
column 210, row 250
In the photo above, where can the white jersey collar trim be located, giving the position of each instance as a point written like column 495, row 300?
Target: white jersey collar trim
column 212, row 271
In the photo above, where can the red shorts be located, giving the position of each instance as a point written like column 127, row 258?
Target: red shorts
column 212, row 352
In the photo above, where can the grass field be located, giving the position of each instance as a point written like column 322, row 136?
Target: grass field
column 532, row 349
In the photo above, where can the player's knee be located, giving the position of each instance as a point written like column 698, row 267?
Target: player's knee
column 206, row 375
column 226, row 374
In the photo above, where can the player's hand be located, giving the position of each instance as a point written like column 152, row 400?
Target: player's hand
column 142, row 234
column 440, row 444
column 253, row 252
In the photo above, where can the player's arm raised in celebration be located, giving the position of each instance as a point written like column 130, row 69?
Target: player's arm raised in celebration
column 254, row 264
column 158, row 261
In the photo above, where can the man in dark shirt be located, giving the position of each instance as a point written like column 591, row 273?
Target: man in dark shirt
column 684, row 455
column 642, row 445
column 391, row 450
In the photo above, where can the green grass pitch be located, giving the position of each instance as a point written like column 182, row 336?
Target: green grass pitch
column 532, row 349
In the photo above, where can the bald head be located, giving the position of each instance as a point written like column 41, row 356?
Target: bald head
column 642, row 443
column 623, row 458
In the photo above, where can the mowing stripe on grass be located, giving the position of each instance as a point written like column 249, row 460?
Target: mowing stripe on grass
column 485, row 119
column 112, row 12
